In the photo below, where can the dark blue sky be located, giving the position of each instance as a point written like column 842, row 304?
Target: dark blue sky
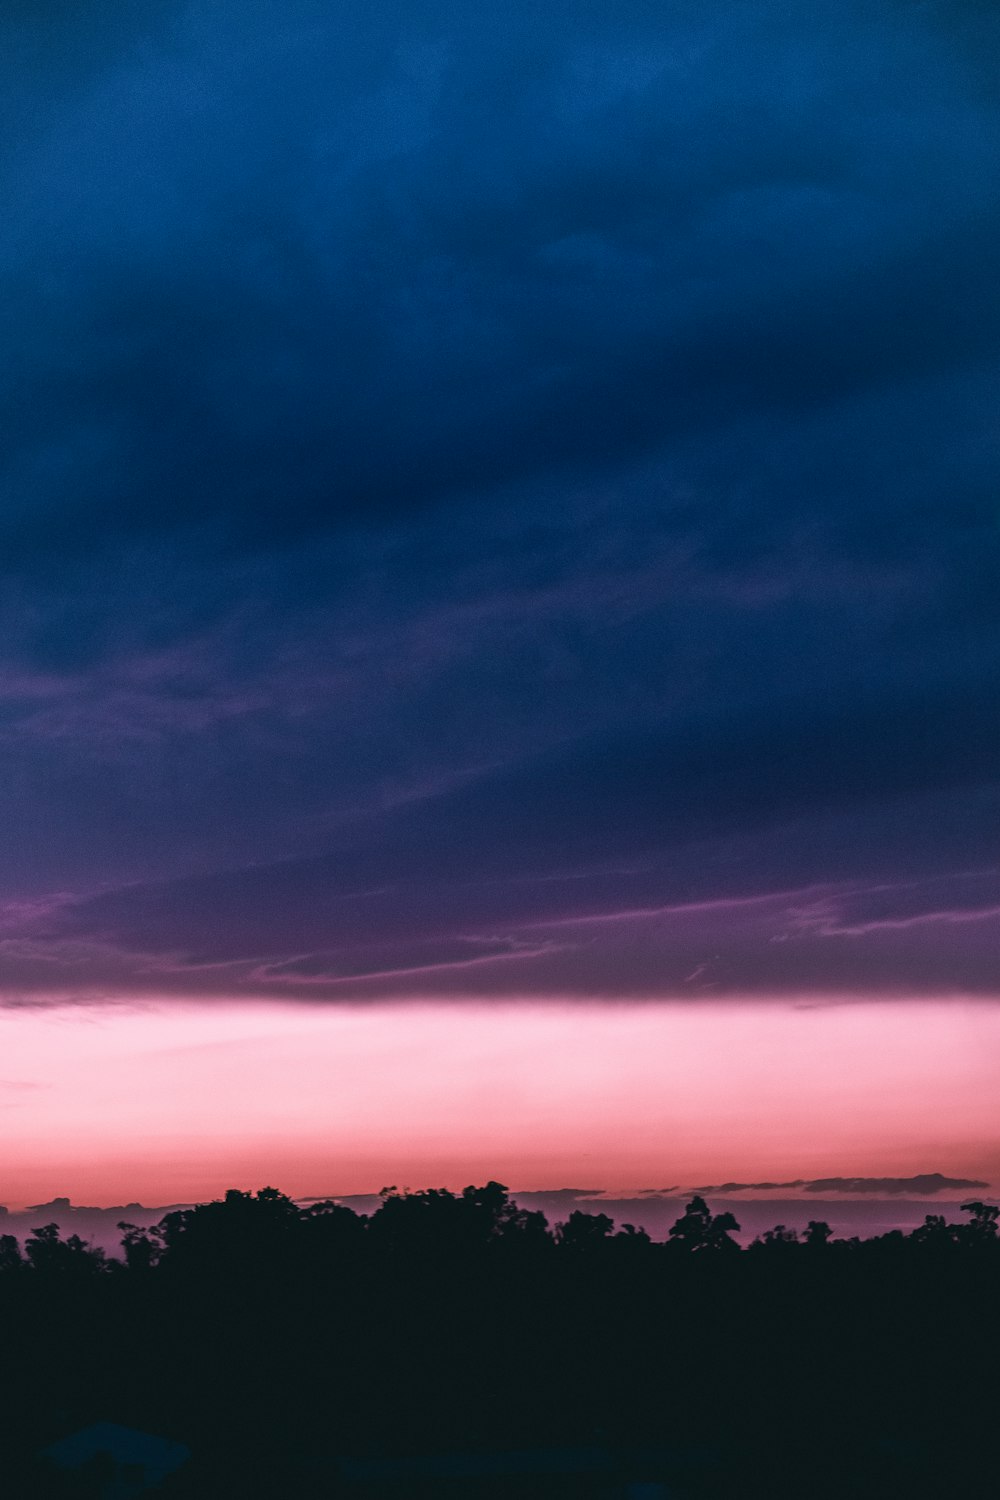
column 500, row 500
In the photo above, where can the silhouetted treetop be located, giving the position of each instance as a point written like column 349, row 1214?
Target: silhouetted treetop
column 49, row 1254
column 700, row 1230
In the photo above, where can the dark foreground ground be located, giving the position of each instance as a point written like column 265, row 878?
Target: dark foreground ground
column 453, row 1346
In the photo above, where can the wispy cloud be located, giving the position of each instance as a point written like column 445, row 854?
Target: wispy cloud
column 540, row 530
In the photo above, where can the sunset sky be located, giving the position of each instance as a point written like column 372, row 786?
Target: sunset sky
column 500, row 625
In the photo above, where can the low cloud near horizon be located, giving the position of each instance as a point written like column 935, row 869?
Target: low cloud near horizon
column 927, row 1183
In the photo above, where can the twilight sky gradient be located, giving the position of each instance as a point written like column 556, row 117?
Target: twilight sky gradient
column 500, row 561
column 341, row 1100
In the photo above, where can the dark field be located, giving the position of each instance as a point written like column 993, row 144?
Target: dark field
column 455, row 1345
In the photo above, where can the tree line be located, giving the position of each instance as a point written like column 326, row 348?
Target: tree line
column 438, row 1222
column 279, row 1341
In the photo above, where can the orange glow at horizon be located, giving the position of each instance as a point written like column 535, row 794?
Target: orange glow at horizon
column 173, row 1102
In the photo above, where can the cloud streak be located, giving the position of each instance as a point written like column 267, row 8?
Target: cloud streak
column 924, row 1183
column 499, row 507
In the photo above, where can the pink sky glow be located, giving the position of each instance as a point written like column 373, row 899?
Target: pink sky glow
column 172, row 1102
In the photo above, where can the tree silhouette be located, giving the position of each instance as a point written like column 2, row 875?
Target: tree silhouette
column 699, row 1229
column 11, row 1258
column 778, row 1238
column 982, row 1227
column 141, row 1247
column 583, row 1232
column 438, row 1223
column 258, row 1330
column 49, row 1254
column 818, row 1233
column 936, row 1233
column 242, row 1230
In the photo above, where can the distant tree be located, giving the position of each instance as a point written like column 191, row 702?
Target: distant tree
column 429, row 1222
column 241, row 1229
column 818, row 1233
column 628, row 1234
column 142, row 1247
column 497, row 1215
column 699, row 1229
column 11, row 1258
column 583, row 1232
column 936, row 1233
column 48, row 1253
column 438, row 1223
column 334, row 1221
column 778, row 1238
column 982, row 1227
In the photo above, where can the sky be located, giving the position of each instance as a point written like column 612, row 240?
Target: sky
column 500, row 556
